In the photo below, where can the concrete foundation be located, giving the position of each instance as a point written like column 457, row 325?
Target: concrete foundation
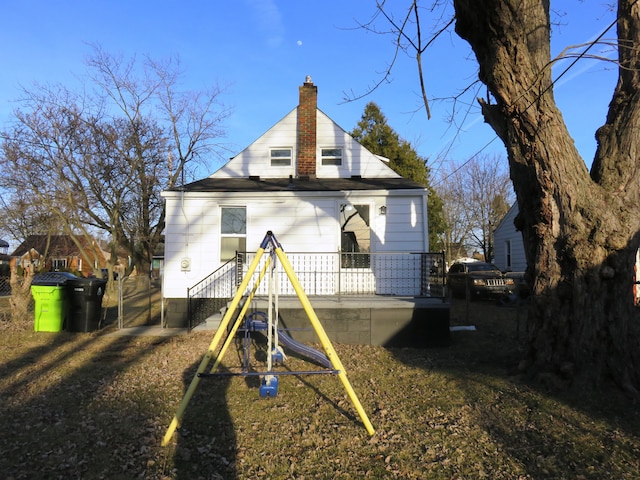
column 384, row 321
column 176, row 314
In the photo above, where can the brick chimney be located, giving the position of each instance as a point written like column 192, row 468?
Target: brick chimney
column 306, row 164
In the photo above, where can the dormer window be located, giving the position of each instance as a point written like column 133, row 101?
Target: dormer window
column 281, row 157
column 331, row 156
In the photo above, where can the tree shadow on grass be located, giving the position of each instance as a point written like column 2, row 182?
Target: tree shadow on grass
column 532, row 426
column 206, row 439
column 73, row 408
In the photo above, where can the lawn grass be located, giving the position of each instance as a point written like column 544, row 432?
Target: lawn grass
column 96, row 406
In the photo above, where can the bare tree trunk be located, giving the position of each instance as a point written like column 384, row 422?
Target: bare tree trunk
column 580, row 231
column 20, row 293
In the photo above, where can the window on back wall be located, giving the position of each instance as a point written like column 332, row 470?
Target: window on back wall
column 331, row 156
column 280, row 157
column 355, row 236
column 233, row 232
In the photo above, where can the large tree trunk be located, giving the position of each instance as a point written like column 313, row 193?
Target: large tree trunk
column 580, row 230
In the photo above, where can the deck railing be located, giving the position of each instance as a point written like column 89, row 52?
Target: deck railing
column 413, row 274
column 393, row 273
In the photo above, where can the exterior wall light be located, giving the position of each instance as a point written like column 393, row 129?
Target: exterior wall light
column 383, row 210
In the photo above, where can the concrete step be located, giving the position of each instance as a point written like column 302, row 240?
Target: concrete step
column 211, row 323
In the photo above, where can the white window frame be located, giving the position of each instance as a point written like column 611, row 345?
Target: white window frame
column 331, row 160
column 233, row 234
column 59, row 263
column 279, row 158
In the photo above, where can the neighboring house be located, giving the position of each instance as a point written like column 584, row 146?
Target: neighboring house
column 4, row 258
column 508, row 248
column 321, row 193
column 62, row 254
column 5, row 288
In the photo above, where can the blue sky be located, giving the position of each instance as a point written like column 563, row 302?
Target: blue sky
column 263, row 49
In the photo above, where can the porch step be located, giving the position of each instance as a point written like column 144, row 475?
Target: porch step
column 211, row 323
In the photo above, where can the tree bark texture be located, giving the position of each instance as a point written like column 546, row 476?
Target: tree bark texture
column 580, row 229
column 20, row 293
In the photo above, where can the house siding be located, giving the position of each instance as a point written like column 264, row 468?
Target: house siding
column 504, row 235
column 255, row 160
column 300, row 225
column 404, row 222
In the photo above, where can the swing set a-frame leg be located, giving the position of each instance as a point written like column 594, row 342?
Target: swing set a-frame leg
column 224, row 323
column 243, row 312
column 324, row 339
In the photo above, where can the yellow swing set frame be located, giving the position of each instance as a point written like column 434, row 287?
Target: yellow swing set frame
column 268, row 241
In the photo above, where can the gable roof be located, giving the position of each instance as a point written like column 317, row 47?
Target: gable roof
column 58, row 245
column 507, row 220
column 306, row 132
column 357, row 160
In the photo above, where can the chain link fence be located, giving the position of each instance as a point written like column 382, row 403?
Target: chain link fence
column 5, row 287
column 139, row 301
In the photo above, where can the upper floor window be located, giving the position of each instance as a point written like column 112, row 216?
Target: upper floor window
column 331, row 156
column 280, row 157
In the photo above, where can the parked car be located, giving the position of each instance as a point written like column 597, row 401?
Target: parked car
column 484, row 280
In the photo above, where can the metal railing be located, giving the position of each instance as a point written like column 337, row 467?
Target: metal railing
column 211, row 294
column 417, row 274
column 414, row 274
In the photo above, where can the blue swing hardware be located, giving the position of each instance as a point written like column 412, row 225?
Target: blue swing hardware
column 269, row 386
column 256, row 322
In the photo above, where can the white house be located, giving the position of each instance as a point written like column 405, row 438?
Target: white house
column 509, row 255
column 321, row 193
column 508, row 248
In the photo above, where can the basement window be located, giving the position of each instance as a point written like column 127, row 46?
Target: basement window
column 280, row 157
column 331, row 156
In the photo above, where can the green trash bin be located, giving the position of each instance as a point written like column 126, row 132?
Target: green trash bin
column 51, row 301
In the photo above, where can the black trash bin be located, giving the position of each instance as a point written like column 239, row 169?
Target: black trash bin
column 85, row 303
